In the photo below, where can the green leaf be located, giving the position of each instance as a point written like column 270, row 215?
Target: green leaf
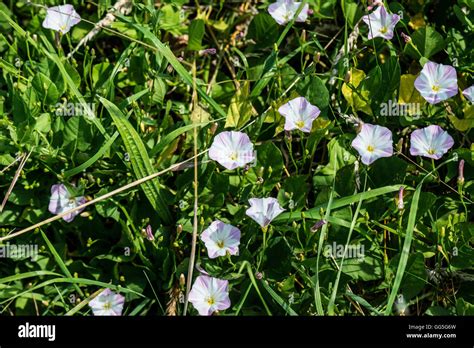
column 339, row 156
column 196, row 33
column 414, row 279
column 269, row 166
column 139, row 158
column 314, row 89
column 351, row 11
column 43, row 123
column 356, row 97
column 389, row 79
column 427, row 40
column 108, row 143
column 464, row 308
column 240, row 109
column 46, row 90
column 408, row 94
column 263, row 30
column 268, row 69
column 175, row 63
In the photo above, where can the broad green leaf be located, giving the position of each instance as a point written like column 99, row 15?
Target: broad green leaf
column 240, row 109
column 196, row 33
column 263, row 30
column 357, row 98
column 269, row 166
column 386, row 75
column 414, row 279
column 464, row 308
column 313, row 89
column 428, row 41
column 408, row 94
column 351, row 11
column 466, row 123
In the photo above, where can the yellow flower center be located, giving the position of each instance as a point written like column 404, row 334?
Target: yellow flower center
column 107, row 305
column 435, row 88
column 63, row 27
column 370, row 148
column 233, row 156
column 220, row 243
column 383, row 30
column 211, row 301
column 431, row 151
column 300, row 124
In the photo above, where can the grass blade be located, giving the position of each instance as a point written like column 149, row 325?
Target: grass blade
column 278, row 299
column 314, row 213
column 139, row 158
column 407, row 243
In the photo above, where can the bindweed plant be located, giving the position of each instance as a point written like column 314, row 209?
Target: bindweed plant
column 237, row 157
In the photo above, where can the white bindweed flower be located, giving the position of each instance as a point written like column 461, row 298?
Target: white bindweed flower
column 432, row 142
column 437, row 82
column 209, row 294
column 299, row 114
column 373, row 142
column 264, row 210
column 221, row 238
column 62, row 201
column 381, row 23
column 232, row 149
column 107, row 303
column 469, row 93
column 283, row 11
column 61, row 18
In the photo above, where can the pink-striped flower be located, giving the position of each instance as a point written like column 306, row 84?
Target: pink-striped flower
column 381, row 23
column 62, row 201
column 431, row 141
column 232, row 149
column 283, row 11
column 107, row 303
column 373, row 142
column 149, row 233
column 61, row 18
column 264, row 210
column 299, row 114
column 437, row 82
column 209, row 294
column 469, row 93
column 221, row 238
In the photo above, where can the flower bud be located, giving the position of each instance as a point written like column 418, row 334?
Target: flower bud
column 318, row 225
column 401, row 204
column 461, row 172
